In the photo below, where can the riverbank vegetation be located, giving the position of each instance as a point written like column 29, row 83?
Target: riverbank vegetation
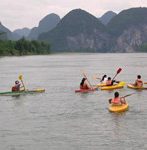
column 23, row 47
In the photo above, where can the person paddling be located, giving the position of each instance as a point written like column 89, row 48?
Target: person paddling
column 84, row 84
column 111, row 82
column 138, row 82
column 17, row 86
column 117, row 100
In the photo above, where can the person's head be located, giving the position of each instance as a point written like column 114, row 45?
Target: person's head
column 139, row 77
column 17, row 82
column 116, row 94
column 83, row 80
column 104, row 76
column 109, row 78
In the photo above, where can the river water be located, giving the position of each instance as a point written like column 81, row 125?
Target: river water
column 61, row 119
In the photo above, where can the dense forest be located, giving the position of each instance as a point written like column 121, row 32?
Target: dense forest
column 23, row 47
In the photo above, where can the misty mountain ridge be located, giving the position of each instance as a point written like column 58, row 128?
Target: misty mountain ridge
column 78, row 30
column 24, row 32
column 7, row 34
column 46, row 24
column 83, row 32
column 105, row 18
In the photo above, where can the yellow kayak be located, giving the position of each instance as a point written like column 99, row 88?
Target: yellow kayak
column 131, row 86
column 118, row 108
column 116, row 86
column 101, row 85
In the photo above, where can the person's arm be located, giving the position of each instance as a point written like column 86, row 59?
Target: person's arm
column 135, row 84
column 122, row 100
column 110, row 100
column 88, row 85
column 22, row 88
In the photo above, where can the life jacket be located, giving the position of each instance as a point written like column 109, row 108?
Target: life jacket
column 116, row 100
column 14, row 89
column 139, row 82
column 109, row 82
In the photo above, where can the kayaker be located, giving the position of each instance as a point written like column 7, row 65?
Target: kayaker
column 104, row 79
column 109, row 82
column 138, row 82
column 117, row 100
column 17, row 86
column 84, row 84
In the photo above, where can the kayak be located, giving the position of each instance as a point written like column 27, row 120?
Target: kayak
column 118, row 108
column 85, row 90
column 101, row 85
column 113, row 87
column 131, row 86
column 10, row 93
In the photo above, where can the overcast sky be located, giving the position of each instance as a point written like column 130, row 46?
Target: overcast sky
column 27, row 13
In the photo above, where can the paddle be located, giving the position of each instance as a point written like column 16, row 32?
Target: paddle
column 87, row 80
column 145, row 82
column 118, row 71
column 128, row 95
column 96, row 78
column 21, row 79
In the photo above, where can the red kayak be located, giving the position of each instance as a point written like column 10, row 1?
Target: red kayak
column 85, row 90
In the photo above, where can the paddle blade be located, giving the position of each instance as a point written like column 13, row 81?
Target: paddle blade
column 119, row 70
column 20, row 77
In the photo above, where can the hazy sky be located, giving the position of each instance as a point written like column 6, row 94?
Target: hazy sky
column 27, row 13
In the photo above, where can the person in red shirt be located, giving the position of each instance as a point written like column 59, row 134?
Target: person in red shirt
column 84, row 84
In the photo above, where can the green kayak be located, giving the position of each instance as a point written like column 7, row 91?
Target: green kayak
column 10, row 93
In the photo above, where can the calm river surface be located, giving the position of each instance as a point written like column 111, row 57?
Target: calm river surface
column 61, row 119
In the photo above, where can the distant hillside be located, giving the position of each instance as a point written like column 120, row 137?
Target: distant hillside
column 105, row 19
column 78, row 31
column 22, row 32
column 46, row 24
column 129, row 28
column 7, row 34
column 127, row 18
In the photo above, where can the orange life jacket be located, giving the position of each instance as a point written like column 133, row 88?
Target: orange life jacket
column 14, row 89
column 116, row 100
column 139, row 82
